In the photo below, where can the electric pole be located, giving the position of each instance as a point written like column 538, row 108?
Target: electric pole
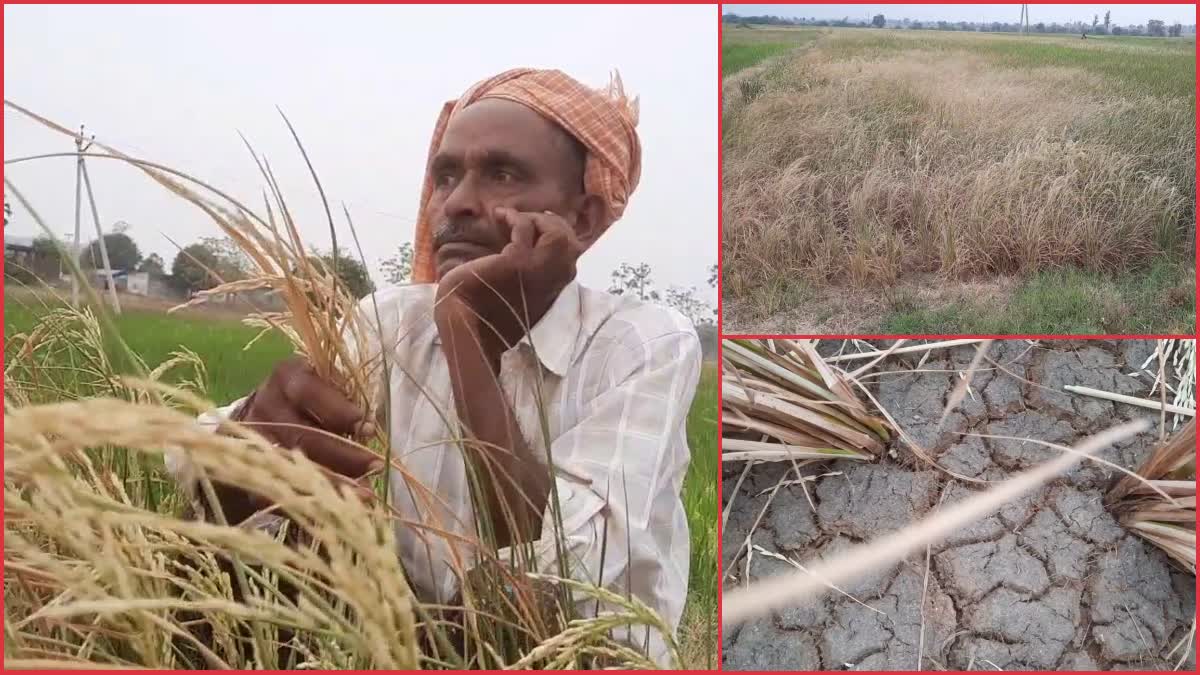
column 78, row 204
column 82, row 180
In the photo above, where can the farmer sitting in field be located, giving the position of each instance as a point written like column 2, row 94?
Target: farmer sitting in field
column 526, row 171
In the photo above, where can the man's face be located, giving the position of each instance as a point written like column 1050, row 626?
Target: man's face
column 500, row 153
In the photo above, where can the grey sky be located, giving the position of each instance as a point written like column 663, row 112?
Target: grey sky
column 363, row 85
column 1121, row 14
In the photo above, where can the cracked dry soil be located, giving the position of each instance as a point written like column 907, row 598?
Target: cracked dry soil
column 1050, row 582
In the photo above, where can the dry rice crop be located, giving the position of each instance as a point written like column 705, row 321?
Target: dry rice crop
column 870, row 157
column 103, row 568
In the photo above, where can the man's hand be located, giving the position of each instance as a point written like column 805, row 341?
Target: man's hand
column 294, row 408
column 484, row 307
column 509, row 292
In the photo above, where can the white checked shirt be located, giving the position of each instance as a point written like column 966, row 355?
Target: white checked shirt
column 617, row 380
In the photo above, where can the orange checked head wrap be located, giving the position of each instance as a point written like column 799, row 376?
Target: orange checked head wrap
column 603, row 121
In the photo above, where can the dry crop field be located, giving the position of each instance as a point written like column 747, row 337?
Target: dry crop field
column 1065, row 576
column 223, row 370
column 105, row 567
column 937, row 182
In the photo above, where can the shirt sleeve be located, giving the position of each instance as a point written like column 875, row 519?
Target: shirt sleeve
column 622, row 467
column 177, row 463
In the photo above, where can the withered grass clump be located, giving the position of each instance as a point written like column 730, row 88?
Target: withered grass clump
column 780, row 401
column 1158, row 501
column 866, row 158
column 1166, row 517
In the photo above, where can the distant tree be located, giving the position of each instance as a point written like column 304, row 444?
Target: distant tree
column 190, row 269
column 123, row 253
column 1039, row 27
column 712, row 276
column 916, row 25
column 1106, row 22
column 1095, row 22
column 1156, row 28
column 232, row 261
column 47, row 258
column 1175, row 30
column 684, row 300
column 45, row 247
column 1117, row 30
column 398, row 268
column 351, row 272
column 153, row 265
column 7, row 212
column 878, row 21
column 633, row 280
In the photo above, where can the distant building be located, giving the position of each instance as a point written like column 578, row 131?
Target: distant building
column 16, row 243
column 99, row 279
column 23, row 261
column 138, row 283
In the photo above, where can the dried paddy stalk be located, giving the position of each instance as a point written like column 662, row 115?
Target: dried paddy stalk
column 781, row 401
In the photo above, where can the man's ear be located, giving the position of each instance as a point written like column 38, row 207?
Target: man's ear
column 591, row 219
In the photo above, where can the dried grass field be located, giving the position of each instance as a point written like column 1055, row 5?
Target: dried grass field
column 936, row 182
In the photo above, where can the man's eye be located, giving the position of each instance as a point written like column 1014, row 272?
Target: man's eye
column 504, row 176
column 444, row 179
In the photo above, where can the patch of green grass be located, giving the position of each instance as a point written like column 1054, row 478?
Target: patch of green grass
column 700, row 485
column 740, row 56
column 1158, row 67
column 232, row 370
column 742, row 48
column 699, row 627
column 1145, row 66
column 1160, row 300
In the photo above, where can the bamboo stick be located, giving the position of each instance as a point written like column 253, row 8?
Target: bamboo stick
column 1131, row 400
column 904, row 350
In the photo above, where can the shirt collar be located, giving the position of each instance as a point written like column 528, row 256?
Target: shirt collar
column 555, row 336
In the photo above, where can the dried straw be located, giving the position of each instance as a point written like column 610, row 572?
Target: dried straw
column 783, row 392
column 1168, row 522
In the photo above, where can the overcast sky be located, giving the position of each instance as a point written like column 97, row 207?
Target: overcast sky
column 363, row 85
column 1121, row 14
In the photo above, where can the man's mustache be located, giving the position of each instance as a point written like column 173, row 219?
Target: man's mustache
column 473, row 232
